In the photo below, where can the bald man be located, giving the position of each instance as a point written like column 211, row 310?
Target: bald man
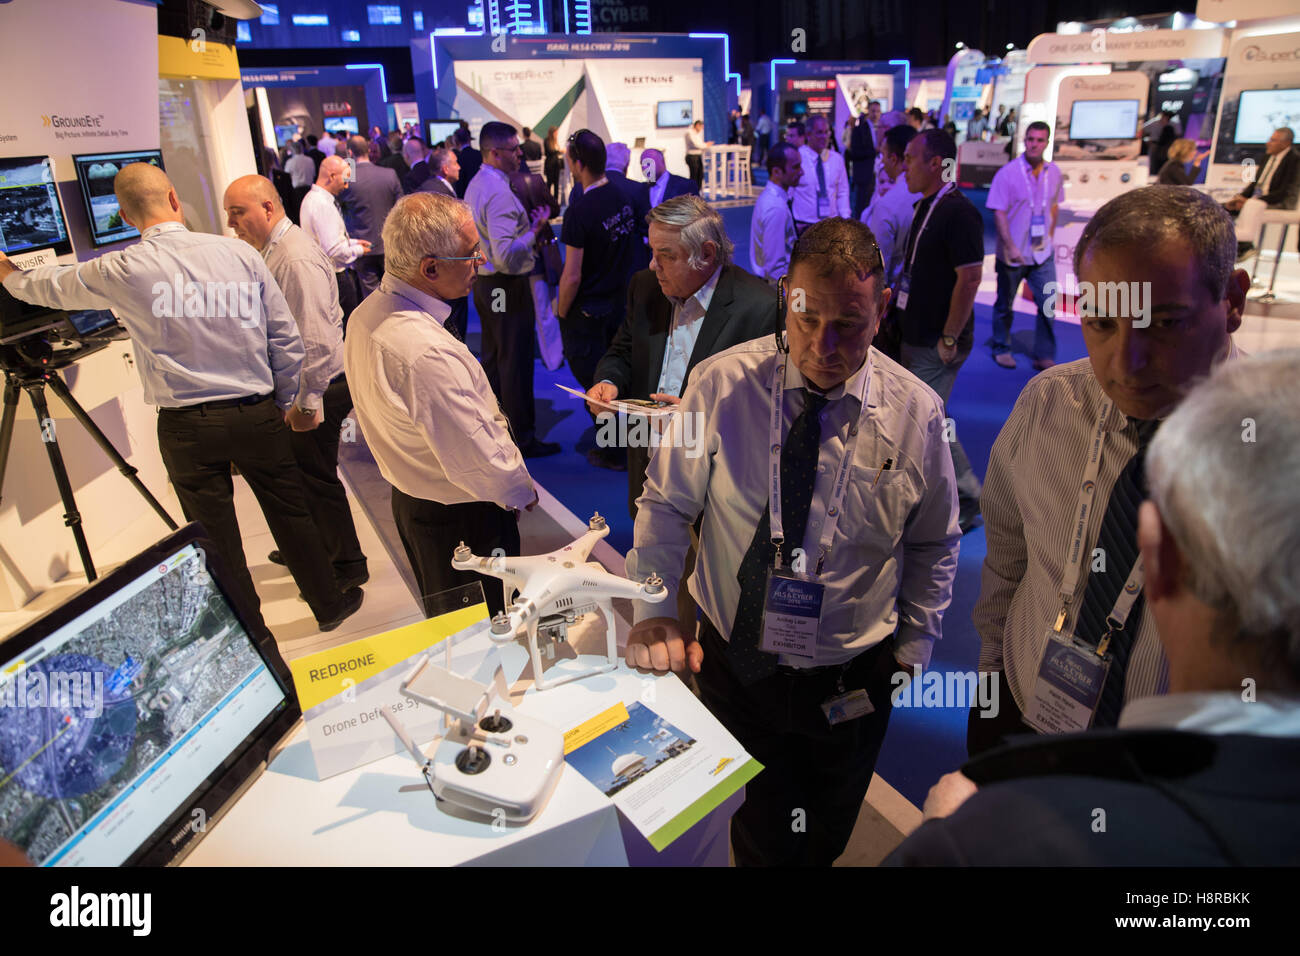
column 306, row 277
column 660, row 183
column 320, row 218
column 219, row 353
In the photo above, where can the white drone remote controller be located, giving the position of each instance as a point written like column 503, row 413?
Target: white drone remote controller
column 502, row 765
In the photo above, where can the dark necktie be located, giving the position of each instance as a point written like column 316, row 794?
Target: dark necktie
column 821, row 176
column 453, row 329
column 1118, row 541
column 798, row 475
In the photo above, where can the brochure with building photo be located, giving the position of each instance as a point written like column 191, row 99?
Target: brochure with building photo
column 662, row 778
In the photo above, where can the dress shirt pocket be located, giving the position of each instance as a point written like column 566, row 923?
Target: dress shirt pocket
column 876, row 505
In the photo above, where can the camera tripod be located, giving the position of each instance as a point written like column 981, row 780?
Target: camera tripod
column 33, row 381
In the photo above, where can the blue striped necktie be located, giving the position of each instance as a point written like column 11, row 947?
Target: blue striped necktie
column 1118, row 542
column 798, row 475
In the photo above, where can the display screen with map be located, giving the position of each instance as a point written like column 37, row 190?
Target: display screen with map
column 116, row 719
column 31, row 216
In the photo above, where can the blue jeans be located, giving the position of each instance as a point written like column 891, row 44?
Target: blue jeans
column 926, row 365
column 1009, row 279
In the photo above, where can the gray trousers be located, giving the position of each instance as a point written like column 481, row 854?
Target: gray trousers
column 926, row 365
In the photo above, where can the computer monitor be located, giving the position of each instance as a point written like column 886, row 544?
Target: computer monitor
column 95, row 174
column 285, row 133
column 1260, row 112
column 135, row 711
column 347, row 125
column 670, row 113
column 439, row 130
column 1103, row 119
column 31, row 215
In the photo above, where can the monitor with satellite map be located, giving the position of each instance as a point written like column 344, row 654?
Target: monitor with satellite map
column 131, row 714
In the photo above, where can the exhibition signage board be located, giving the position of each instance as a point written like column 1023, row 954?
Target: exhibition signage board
column 196, row 58
column 340, row 690
column 1221, row 11
column 70, row 108
column 1107, row 47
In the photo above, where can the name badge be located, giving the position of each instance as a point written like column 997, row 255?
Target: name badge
column 792, row 612
column 846, row 707
column 1070, row 679
column 900, row 291
column 1038, row 228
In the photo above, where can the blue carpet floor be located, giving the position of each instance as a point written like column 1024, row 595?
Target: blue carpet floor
column 922, row 744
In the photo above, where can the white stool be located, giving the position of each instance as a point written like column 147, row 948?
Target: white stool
column 1286, row 218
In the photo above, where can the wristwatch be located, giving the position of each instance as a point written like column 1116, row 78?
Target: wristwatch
column 948, row 341
column 304, row 411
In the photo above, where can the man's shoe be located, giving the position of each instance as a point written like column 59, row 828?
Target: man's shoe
column 1005, row 359
column 1245, row 250
column 606, row 458
column 275, row 557
column 1044, row 364
column 539, row 449
column 351, row 603
column 355, row 581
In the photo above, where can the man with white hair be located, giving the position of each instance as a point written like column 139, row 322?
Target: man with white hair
column 305, row 275
column 424, row 403
column 1062, row 587
column 1206, row 775
column 223, row 379
column 691, row 303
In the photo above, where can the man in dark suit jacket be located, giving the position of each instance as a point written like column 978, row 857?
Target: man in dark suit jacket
column 470, row 160
column 444, row 171
column 661, row 184
column 417, row 158
column 717, row 305
column 366, row 204
column 1276, row 184
column 1210, row 773
column 862, row 153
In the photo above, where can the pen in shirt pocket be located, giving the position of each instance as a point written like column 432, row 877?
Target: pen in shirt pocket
column 887, row 466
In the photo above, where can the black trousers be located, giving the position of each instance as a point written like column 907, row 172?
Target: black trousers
column 370, row 270
column 349, row 293
column 430, row 531
column 317, row 454
column 801, row 809
column 586, row 337
column 198, row 446
column 695, row 166
column 508, row 347
column 986, row 733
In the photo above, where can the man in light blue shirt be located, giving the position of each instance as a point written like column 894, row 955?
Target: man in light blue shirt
column 890, row 217
column 771, row 235
column 503, row 297
column 218, row 351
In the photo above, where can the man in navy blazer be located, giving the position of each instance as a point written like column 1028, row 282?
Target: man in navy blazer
column 1209, row 774
column 366, row 204
column 690, row 267
column 661, row 184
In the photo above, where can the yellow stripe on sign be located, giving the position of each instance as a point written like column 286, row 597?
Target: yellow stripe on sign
column 325, row 674
column 591, row 729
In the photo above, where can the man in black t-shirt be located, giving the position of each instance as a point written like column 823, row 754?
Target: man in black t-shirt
column 935, row 297
column 600, row 239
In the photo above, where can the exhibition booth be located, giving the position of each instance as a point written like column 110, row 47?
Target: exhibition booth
column 641, row 89
column 837, row 89
column 294, row 102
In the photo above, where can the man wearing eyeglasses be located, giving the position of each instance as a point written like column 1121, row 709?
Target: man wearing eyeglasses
column 502, row 295
column 423, row 402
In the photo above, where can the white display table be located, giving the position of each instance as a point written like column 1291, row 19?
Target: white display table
column 360, row 818
column 726, row 173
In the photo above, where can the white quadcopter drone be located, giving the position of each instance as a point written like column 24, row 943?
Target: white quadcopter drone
column 547, row 593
